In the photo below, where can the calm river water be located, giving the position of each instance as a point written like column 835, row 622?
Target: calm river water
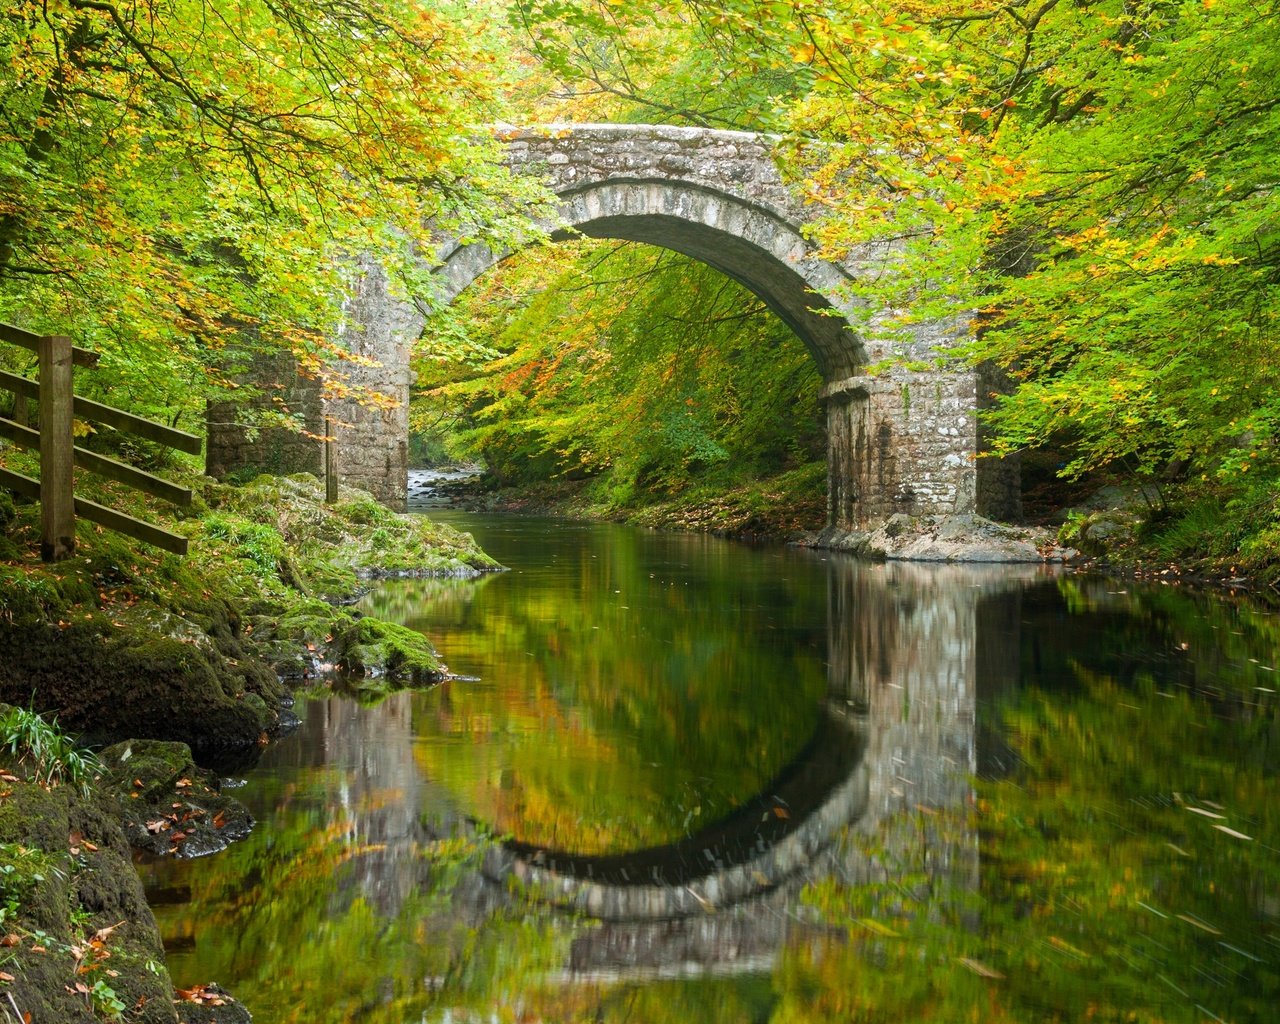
column 686, row 780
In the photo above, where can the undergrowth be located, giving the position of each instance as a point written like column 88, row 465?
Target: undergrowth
column 51, row 756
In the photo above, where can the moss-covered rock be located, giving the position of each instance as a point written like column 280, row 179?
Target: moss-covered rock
column 105, row 681
column 371, row 647
column 75, row 913
column 328, row 549
column 167, row 804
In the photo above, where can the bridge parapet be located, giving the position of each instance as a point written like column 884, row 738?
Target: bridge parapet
column 569, row 156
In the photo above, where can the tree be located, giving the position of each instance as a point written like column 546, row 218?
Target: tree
column 632, row 364
column 1096, row 180
column 664, row 63
column 178, row 173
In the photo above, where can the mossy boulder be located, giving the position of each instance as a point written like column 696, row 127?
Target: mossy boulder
column 371, row 647
column 76, row 912
column 108, row 681
column 167, row 804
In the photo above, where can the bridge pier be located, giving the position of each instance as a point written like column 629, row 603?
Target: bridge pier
column 378, row 329
column 910, row 442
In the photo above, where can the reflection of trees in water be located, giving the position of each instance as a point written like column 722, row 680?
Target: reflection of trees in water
column 1039, row 876
column 624, row 700
column 443, row 599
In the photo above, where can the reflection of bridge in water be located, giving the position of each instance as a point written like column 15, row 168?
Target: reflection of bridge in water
column 910, row 650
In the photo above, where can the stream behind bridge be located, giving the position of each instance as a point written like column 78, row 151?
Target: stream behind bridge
column 785, row 786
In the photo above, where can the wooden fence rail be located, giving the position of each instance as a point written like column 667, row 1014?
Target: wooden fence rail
column 59, row 454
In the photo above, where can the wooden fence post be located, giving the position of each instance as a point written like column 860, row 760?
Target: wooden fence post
column 57, row 497
column 330, row 464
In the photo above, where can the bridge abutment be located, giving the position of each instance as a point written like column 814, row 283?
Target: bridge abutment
column 912, row 443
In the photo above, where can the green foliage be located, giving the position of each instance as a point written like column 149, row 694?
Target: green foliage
column 51, row 755
column 105, row 1000
column 209, row 633
column 168, row 195
column 663, row 63
column 1228, row 530
column 292, row 543
column 634, row 366
column 261, row 545
column 22, row 868
column 1096, row 180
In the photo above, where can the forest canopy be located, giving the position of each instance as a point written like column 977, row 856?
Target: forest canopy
column 175, row 174
column 1097, row 181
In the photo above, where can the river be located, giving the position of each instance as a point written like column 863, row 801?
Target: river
column 682, row 779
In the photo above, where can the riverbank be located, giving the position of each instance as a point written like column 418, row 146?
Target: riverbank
column 80, row 944
column 178, row 662
column 789, row 508
column 120, row 642
column 776, row 509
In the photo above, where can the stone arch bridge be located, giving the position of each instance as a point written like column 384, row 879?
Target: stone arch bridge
column 901, row 441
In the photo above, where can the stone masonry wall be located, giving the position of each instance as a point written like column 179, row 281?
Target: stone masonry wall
column 901, row 441
column 233, row 447
column 372, row 440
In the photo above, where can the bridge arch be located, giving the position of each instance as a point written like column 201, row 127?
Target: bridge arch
column 903, row 440
column 751, row 244
column 766, row 842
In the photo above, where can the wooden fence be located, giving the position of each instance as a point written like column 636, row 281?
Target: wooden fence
column 55, row 439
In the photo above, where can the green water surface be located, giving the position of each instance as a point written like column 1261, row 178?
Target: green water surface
column 1069, row 799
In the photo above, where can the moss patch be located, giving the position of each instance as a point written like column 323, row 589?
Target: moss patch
column 167, row 804
column 371, row 647
column 73, row 908
column 122, row 642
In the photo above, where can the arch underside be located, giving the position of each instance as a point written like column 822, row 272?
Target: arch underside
column 750, row 244
column 768, row 841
